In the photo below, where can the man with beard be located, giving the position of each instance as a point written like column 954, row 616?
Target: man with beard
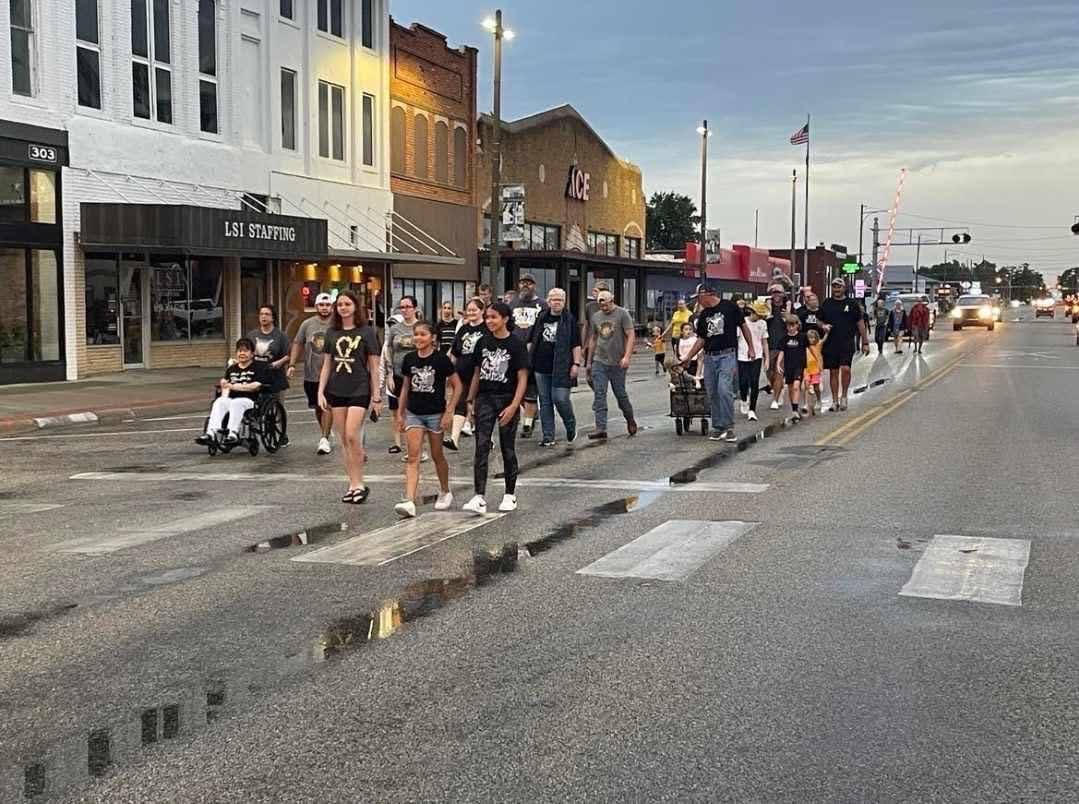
column 843, row 320
column 308, row 343
column 524, row 312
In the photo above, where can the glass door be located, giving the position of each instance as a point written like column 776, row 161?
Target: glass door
column 131, row 280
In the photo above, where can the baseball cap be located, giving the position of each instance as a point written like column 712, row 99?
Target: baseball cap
column 527, row 278
column 838, row 281
column 324, row 298
column 706, row 289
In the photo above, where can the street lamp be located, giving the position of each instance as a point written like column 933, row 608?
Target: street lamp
column 494, row 25
column 702, row 129
column 864, row 213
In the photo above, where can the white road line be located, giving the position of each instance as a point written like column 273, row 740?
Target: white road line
column 7, row 509
column 385, row 545
column 130, row 537
column 529, row 482
column 1046, row 366
column 128, row 433
column 669, row 552
column 981, row 570
column 290, row 412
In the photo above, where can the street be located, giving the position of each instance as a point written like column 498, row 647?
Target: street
column 664, row 618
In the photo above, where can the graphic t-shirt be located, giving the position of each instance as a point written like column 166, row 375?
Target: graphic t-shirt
column 758, row 332
column 464, row 347
column 794, row 354
column 349, row 350
column 777, row 328
column 524, row 314
column 543, row 351
column 312, row 334
column 446, row 331
column 254, row 372
column 810, row 320
column 399, row 344
column 610, row 331
column 718, row 326
column 498, row 360
column 270, row 348
column 426, row 381
column 843, row 315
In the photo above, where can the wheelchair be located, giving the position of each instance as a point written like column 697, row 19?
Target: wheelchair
column 265, row 424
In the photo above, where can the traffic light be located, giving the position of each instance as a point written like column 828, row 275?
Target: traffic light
column 965, row 237
column 1075, row 228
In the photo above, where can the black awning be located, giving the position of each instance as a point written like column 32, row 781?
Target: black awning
column 202, row 230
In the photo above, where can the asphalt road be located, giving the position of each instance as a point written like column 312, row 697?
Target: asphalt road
column 158, row 641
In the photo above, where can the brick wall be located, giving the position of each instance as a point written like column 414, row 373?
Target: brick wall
column 100, row 360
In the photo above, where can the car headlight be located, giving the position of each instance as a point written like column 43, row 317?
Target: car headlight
column 957, row 313
column 985, row 312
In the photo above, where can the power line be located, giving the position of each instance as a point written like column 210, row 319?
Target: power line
column 976, row 223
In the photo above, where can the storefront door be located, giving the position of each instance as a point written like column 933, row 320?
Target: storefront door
column 131, row 325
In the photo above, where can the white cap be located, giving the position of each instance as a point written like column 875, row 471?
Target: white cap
column 324, row 298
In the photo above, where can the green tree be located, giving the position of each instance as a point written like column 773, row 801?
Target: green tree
column 671, row 221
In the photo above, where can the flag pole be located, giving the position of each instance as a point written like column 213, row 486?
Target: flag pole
column 805, row 241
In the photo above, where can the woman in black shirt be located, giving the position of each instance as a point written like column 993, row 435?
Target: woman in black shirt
column 498, row 386
column 424, row 411
column 464, row 344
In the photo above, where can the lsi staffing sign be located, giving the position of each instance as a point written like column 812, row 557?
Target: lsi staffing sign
column 577, row 184
column 259, row 231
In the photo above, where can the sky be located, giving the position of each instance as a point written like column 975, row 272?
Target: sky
column 977, row 99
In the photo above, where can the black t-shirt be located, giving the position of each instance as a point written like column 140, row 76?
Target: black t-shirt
column 524, row 314
column 718, row 326
column 255, row 372
column 777, row 328
column 349, row 350
column 426, row 378
column 543, row 351
column 446, row 332
column 794, row 354
column 499, row 360
column 843, row 315
column 810, row 320
column 464, row 345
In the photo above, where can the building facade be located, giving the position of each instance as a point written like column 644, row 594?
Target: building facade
column 432, row 160
column 169, row 166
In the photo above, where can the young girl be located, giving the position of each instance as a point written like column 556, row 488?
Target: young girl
column 657, row 347
column 749, row 371
column 792, row 360
column 498, row 386
column 350, row 366
column 814, row 364
column 424, row 410
column 398, row 344
column 686, row 342
column 464, row 346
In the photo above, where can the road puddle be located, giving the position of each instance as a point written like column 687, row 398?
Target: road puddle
column 311, row 535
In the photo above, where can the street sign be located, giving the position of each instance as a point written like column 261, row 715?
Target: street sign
column 513, row 213
column 851, row 267
column 859, row 288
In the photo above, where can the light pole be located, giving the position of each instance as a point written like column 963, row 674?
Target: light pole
column 494, row 25
column 702, row 129
column 864, row 213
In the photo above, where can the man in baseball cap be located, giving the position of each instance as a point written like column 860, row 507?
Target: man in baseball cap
column 843, row 320
column 308, row 343
column 525, row 310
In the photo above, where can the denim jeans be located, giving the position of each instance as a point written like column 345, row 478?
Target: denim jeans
column 551, row 397
column 603, row 374
column 719, row 381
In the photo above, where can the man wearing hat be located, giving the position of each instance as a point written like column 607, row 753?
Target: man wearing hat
column 842, row 316
column 525, row 311
column 308, row 343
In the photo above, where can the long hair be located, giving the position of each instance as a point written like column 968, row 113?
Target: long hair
column 360, row 317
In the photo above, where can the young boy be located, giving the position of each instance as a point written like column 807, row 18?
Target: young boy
column 793, row 361
column 241, row 384
column 814, row 363
column 657, row 347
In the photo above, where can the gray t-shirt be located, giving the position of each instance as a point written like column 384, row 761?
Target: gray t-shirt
column 312, row 335
column 399, row 343
column 611, row 330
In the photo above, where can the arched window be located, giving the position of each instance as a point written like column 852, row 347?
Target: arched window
column 442, row 152
column 460, row 157
column 397, row 140
column 421, row 149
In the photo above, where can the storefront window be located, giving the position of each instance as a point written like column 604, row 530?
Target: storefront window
column 608, row 276
column 29, row 306
column 13, row 329
column 42, row 196
column 44, row 312
column 599, row 243
column 253, row 293
column 546, row 278
column 456, row 293
column 170, row 313
column 629, row 296
column 12, row 194
column 207, row 298
column 102, row 301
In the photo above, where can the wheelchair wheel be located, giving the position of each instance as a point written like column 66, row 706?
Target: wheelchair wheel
column 704, row 427
column 272, row 426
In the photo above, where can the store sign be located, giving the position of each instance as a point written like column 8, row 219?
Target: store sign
column 577, row 184
column 260, row 231
column 513, row 213
column 859, row 288
column 42, row 153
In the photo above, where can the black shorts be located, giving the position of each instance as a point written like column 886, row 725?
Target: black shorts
column 311, row 389
column 531, row 391
column 395, row 387
column 661, row 359
column 348, row 401
column 792, row 373
column 838, row 354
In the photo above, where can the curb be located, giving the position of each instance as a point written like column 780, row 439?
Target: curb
column 85, row 417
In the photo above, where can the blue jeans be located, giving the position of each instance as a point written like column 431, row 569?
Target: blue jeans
column 551, row 397
column 720, row 378
column 603, row 374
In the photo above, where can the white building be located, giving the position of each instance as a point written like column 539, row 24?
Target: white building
column 241, row 149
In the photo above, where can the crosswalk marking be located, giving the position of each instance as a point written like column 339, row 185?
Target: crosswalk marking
column 528, row 482
column 978, row 569
column 8, row 509
column 669, row 552
column 130, row 537
column 385, row 545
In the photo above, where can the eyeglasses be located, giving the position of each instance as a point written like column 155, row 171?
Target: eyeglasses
column 406, row 307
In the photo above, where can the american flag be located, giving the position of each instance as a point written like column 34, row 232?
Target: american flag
column 801, row 136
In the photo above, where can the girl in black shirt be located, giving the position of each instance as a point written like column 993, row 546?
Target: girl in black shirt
column 464, row 344
column 498, row 386
column 793, row 360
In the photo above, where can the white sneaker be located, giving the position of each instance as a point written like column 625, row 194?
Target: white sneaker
column 509, row 503
column 324, row 447
column 424, row 457
column 476, row 505
column 775, row 404
column 406, row 509
column 466, row 428
column 444, row 501
column 751, row 416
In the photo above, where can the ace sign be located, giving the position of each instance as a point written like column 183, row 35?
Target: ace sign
column 577, row 184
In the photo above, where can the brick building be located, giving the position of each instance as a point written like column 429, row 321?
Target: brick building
column 432, row 159
column 824, row 266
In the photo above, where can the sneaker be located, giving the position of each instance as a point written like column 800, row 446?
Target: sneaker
column 448, row 444
column 231, row 440
column 752, row 416
column 743, row 406
column 424, row 458
column 631, row 427
column 406, row 509
column 466, row 430
column 393, row 450
column 843, row 403
column 284, row 442
column 599, row 435
column 526, row 431
column 547, row 442
column 204, row 440
column 729, row 436
column 324, row 447
column 715, row 435
column 509, row 503
column 444, row 501
column 805, row 410
column 796, row 416
column 774, row 405
column 571, row 434
column 477, row 505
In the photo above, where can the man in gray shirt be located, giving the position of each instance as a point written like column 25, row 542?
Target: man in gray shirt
column 308, row 345
column 271, row 349
column 610, row 347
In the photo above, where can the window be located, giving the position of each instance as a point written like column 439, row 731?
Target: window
column 151, row 55
column 186, row 299
column 331, row 17
column 599, row 243
column 542, row 237
column 331, row 121
column 419, row 146
column 460, row 156
column 455, row 293
column 87, row 54
column 286, row 10
column 629, row 297
column 102, row 300
column 442, row 152
column 207, row 66
column 288, row 109
column 632, row 247
column 367, row 23
column 546, row 278
column 12, row 195
column 368, row 130
column 249, row 74
column 30, row 328
column 22, row 46
column 397, row 140
column 42, row 196
column 27, row 195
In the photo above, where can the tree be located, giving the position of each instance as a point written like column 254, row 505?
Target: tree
column 671, row 221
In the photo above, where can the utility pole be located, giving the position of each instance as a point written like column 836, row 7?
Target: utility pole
column 861, row 224
column 794, row 202
column 876, row 243
column 756, row 226
column 917, row 262
column 705, row 134
column 496, row 153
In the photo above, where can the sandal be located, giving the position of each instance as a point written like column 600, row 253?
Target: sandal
column 359, row 496
column 348, row 495
column 394, row 450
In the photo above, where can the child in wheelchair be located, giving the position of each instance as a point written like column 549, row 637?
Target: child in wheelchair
column 239, row 388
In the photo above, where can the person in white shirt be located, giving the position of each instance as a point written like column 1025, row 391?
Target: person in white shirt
column 685, row 343
column 749, row 371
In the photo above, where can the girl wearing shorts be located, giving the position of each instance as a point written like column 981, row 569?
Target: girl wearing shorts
column 464, row 345
column 350, row 366
column 423, row 410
